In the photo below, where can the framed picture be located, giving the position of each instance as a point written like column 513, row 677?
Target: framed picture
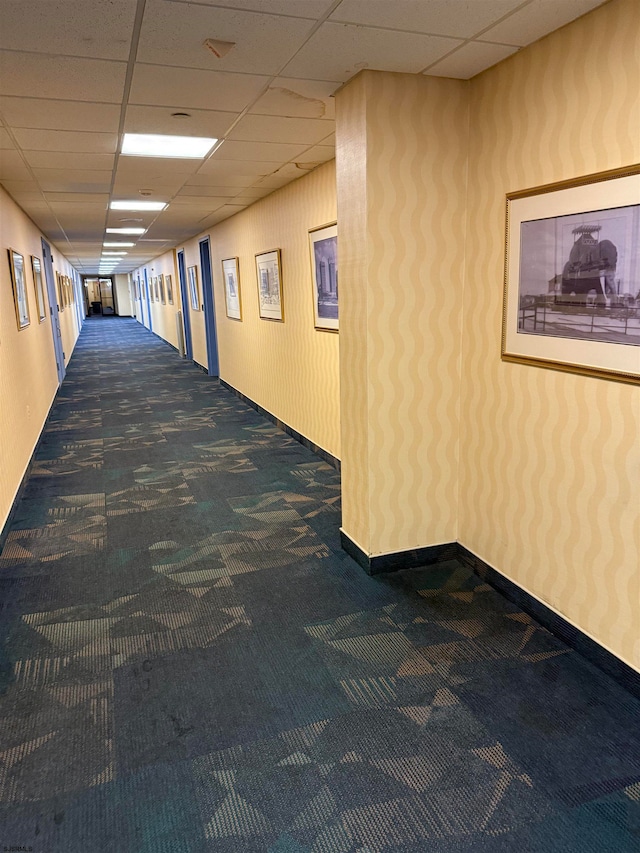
column 169, row 283
column 19, row 284
column 161, row 289
column 156, row 288
column 194, row 293
column 231, row 276
column 572, row 276
column 323, row 243
column 70, row 294
column 38, row 284
column 60, row 291
column 151, row 287
column 269, row 271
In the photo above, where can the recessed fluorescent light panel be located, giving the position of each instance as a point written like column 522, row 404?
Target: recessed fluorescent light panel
column 159, row 145
column 126, row 230
column 138, row 205
column 114, row 253
column 121, row 245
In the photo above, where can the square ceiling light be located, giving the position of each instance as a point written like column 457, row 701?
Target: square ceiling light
column 138, row 205
column 158, row 145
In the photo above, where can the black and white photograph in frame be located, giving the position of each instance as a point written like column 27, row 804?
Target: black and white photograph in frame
column 161, row 289
column 231, row 276
column 19, row 284
column 194, row 293
column 38, row 284
column 269, row 272
column 323, row 244
column 168, row 280
column 572, row 276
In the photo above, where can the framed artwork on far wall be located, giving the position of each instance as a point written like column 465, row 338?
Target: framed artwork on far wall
column 38, row 284
column 169, row 284
column 156, row 288
column 60, row 291
column 323, row 245
column 572, row 276
column 269, row 272
column 231, row 275
column 161, row 289
column 194, row 292
column 19, row 284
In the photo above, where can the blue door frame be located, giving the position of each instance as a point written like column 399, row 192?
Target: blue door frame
column 53, row 309
column 209, row 308
column 184, row 297
column 146, row 290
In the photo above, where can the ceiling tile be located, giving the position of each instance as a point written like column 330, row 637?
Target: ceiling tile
column 129, row 186
column 101, row 30
column 66, row 140
column 295, row 8
column 79, row 198
column 64, row 160
column 5, row 139
column 210, row 171
column 12, row 166
column 200, row 202
column 20, row 187
column 318, row 154
column 471, row 59
column 458, row 18
column 338, row 51
column 215, row 123
column 537, row 19
column 73, row 180
column 67, row 78
column 253, row 194
column 297, row 98
column 259, row 151
column 308, row 131
column 60, row 115
column 262, row 43
column 183, row 88
column 156, row 168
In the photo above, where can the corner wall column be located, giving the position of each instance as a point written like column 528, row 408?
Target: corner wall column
column 401, row 163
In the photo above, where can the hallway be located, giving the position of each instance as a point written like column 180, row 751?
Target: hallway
column 190, row 662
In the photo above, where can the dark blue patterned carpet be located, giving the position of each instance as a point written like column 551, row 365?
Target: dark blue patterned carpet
column 190, row 662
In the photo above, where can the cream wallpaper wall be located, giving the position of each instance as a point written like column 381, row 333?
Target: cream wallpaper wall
column 550, row 462
column 289, row 368
column 163, row 314
column 28, row 377
column 401, row 161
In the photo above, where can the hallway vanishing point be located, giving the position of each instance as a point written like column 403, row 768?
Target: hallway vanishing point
column 191, row 663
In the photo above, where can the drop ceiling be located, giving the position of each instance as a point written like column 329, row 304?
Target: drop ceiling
column 75, row 76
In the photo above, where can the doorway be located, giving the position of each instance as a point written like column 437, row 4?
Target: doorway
column 209, row 308
column 184, row 298
column 53, row 309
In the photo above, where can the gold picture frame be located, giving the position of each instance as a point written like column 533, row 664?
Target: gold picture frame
column 232, row 295
column 38, row 284
column 19, row 285
column 323, row 251
column 572, row 276
column 193, row 288
column 269, row 280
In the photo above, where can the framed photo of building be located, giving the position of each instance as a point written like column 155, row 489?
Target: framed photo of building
column 38, row 284
column 572, row 276
column 231, row 276
column 169, row 284
column 161, row 289
column 19, row 285
column 269, row 272
column 323, row 244
column 194, row 291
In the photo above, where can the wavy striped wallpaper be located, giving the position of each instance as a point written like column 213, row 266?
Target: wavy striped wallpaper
column 550, row 462
column 401, row 172
column 28, row 376
column 289, row 368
